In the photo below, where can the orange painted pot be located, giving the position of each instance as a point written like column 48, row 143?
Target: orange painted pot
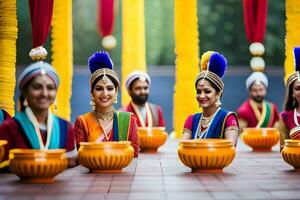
column 150, row 139
column 206, row 155
column 105, row 157
column 260, row 139
column 37, row 166
column 291, row 153
column 2, row 143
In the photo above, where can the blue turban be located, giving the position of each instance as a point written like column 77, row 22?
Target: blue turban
column 36, row 69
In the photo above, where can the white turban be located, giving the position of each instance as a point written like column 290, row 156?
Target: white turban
column 135, row 75
column 256, row 78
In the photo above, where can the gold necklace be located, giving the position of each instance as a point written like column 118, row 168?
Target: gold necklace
column 107, row 116
column 205, row 121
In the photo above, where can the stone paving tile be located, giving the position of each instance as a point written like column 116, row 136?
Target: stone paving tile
column 255, row 194
column 98, row 189
column 189, row 196
column 286, row 194
column 163, row 176
column 18, row 197
column 225, row 195
column 117, row 196
column 94, row 196
column 147, row 196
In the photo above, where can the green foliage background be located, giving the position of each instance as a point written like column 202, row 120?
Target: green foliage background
column 220, row 27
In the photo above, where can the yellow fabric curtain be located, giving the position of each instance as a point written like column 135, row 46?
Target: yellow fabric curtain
column 62, row 54
column 8, row 37
column 292, row 37
column 133, row 41
column 187, row 62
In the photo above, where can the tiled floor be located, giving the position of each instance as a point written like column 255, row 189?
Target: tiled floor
column 162, row 176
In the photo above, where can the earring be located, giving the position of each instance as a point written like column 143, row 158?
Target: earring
column 93, row 105
column 55, row 106
column 116, row 100
column 25, row 103
column 218, row 102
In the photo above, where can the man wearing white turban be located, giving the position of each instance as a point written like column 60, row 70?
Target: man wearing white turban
column 148, row 114
column 256, row 111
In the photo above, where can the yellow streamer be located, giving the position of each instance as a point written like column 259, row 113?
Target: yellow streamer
column 187, row 62
column 292, row 38
column 133, row 41
column 62, row 54
column 8, row 37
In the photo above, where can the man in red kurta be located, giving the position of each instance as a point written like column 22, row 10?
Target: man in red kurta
column 148, row 114
column 256, row 111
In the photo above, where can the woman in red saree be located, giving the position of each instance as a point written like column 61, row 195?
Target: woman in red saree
column 289, row 119
column 35, row 127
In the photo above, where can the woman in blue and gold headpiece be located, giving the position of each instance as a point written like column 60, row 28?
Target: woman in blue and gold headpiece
column 289, row 119
column 214, row 121
column 35, row 127
column 104, row 123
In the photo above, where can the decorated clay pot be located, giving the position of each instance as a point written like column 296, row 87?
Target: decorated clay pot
column 105, row 157
column 206, row 155
column 2, row 143
column 150, row 139
column 261, row 139
column 291, row 153
column 37, row 166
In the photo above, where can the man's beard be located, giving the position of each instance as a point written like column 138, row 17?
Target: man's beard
column 139, row 100
column 258, row 99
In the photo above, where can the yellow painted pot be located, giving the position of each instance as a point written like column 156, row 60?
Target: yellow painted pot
column 291, row 153
column 261, row 139
column 206, row 155
column 150, row 139
column 2, row 143
column 37, row 166
column 105, row 157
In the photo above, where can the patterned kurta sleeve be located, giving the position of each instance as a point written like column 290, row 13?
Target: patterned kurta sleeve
column 188, row 125
column 231, row 124
column 79, row 130
column 161, row 121
column 133, row 136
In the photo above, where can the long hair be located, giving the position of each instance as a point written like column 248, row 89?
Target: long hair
column 289, row 103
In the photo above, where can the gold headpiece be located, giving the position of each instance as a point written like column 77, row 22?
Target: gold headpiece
column 213, row 66
column 104, row 72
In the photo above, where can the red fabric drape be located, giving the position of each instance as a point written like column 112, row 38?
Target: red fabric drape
column 255, row 18
column 41, row 16
column 105, row 17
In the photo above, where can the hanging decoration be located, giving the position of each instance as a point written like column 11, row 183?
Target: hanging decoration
column 187, row 62
column 292, row 39
column 41, row 15
column 8, row 37
column 133, row 41
column 106, row 19
column 62, row 55
column 255, row 17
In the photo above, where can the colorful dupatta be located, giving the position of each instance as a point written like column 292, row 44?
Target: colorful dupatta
column 266, row 116
column 216, row 128
column 95, row 132
column 55, row 137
